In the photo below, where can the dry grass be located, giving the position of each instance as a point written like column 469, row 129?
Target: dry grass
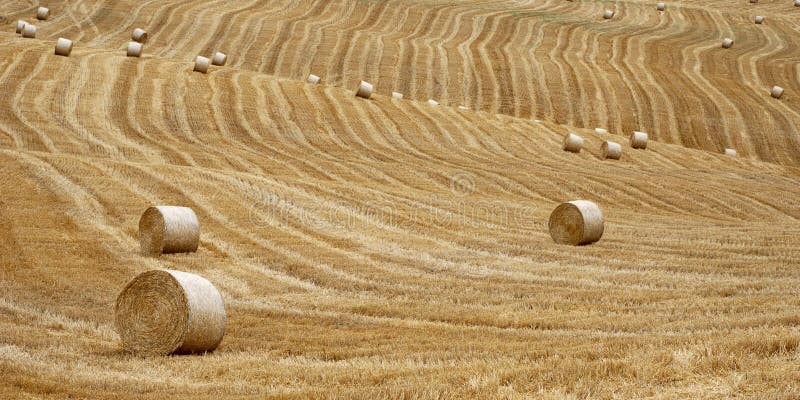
column 389, row 249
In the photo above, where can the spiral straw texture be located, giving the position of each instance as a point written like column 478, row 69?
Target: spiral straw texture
column 165, row 312
column 168, row 229
column 576, row 223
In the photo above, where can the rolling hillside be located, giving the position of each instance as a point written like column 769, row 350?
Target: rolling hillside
column 390, row 249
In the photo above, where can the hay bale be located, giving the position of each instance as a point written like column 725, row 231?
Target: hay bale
column 42, row 13
column 776, row 92
column 29, row 31
column 639, row 140
column 168, row 229
column 201, row 64
column 21, row 25
column 139, row 35
column 797, row 3
column 730, row 152
column 727, row 43
column 759, row 19
column 134, row 49
column 219, row 59
column 397, row 96
column 608, row 14
column 364, row 90
column 576, row 223
column 610, row 150
column 313, row 79
column 163, row 312
column 572, row 143
column 433, row 102
column 600, row 131
column 463, row 108
column 661, row 6
column 63, row 47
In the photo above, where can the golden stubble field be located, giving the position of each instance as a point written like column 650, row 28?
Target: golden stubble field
column 390, row 249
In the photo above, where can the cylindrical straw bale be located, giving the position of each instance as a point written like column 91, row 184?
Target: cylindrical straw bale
column 397, row 96
column 797, row 3
column 639, row 140
column 139, row 35
column 63, row 47
column 463, row 108
column 42, row 13
column 776, row 92
column 201, row 64
column 727, row 43
column 168, row 229
column 29, row 31
column 219, row 59
column 730, row 152
column 364, row 90
column 576, row 223
column 610, row 150
column 759, row 19
column 134, row 49
column 608, row 14
column 313, row 79
column 20, row 26
column 163, row 312
column 433, row 102
column 600, row 131
column 661, row 6
column 572, row 143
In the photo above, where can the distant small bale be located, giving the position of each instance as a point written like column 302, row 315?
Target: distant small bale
column 42, row 13
column 139, row 35
column 776, row 92
column 313, row 79
column 661, row 6
column 134, row 49
column 21, row 25
column 164, row 312
column 397, row 96
column 727, row 43
column 463, row 108
column 575, row 223
column 608, row 14
column 759, row 19
column 63, row 47
column 201, row 64
column 572, row 143
column 639, row 140
column 600, row 131
column 219, row 59
column 168, row 229
column 610, row 150
column 730, row 152
column 29, row 31
column 433, row 102
column 364, row 90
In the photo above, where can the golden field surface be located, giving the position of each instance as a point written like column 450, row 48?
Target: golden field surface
column 390, row 249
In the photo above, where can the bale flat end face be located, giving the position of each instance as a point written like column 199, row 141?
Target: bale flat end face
column 151, row 232
column 576, row 223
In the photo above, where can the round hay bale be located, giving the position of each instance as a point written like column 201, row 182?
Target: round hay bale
column 759, row 19
column 600, row 131
column 313, row 79
column 661, row 6
column 219, row 59
column 63, row 47
column 397, row 96
column 134, row 49
column 42, row 13
column 29, row 31
column 201, row 64
column 21, row 25
column 463, row 108
column 576, row 223
column 639, row 140
column 727, row 43
column 776, row 92
column 433, row 102
column 364, row 90
column 608, row 14
column 139, row 35
column 572, row 143
column 168, row 229
column 797, row 3
column 163, row 312
column 730, row 152
column 610, row 150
